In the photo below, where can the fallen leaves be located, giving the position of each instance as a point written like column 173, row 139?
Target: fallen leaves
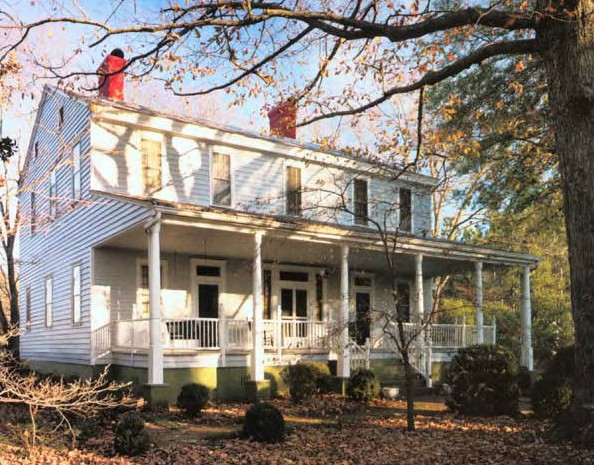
column 329, row 431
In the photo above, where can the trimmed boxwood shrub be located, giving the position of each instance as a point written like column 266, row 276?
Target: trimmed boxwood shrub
column 363, row 386
column 553, row 393
column 306, row 379
column 193, row 398
column 264, row 423
column 483, row 381
column 131, row 437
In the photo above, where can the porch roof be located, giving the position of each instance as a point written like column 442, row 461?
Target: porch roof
column 440, row 256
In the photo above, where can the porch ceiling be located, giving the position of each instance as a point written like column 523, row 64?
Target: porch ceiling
column 213, row 243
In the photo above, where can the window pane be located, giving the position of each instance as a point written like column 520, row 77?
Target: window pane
column 362, row 281
column 221, row 191
column 293, row 189
column 403, row 301
column 151, row 164
column 361, row 207
column 203, row 270
column 208, row 300
column 267, row 294
column 294, row 276
column 301, row 303
column 405, row 209
column 287, row 302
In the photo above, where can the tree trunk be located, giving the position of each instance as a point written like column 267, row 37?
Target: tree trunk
column 408, row 388
column 567, row 46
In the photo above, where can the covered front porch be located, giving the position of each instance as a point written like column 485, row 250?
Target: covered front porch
column 188, row 289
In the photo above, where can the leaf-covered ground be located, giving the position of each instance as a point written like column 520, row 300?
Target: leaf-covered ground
column 325, row 431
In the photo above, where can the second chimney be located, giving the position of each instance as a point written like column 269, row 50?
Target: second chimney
column 112, row 86
column 283, row 120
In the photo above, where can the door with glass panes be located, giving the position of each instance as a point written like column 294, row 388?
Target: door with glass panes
column 208, row 280
column 294, row 302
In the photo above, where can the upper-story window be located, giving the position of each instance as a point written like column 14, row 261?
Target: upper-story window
column 405, row 209
column 151, row 164
column 53, row 195
column 221, row 179
column 360, row 202
column 33, row 213
column 76, row 172
column 293, row 191
column 61, row 118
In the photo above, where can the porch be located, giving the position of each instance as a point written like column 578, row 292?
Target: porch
column 261, row 296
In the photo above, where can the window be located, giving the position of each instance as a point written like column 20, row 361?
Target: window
column 205, row 270
column 298, row 276
column 319, row 310
column 49, row 300
column 61, row 118
column 151, row 165
column 361, row 208
column 363, row 281
column 293, row 191
column 76, row 295
column 76, row 172
column 267, row 294
column 403, row 301
column 405, row 222
column 36, row 150
column 53, row 199
column 33, row 213
column 142, row 293
column 28, row 308
column 221, row 179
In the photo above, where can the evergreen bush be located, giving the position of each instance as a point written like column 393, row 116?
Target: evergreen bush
column 193, row 398
column 264, row 423
column 363, row 386
column 553, row 393
column 131, row 437
column 305, row 379
column 483, row 381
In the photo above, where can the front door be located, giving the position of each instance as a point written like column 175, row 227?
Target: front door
column 208, row 300
column 294, row 307
column 363, row 317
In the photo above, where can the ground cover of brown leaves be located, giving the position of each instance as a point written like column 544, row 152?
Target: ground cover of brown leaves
column 322, row 431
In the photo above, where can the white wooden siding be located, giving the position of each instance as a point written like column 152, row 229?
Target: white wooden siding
column 59, row 244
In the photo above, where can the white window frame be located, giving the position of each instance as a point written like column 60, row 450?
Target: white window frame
column 76, row 294
column 49, row 301
column 142, row 294
column 211, row 152
column 156, row 137
column 221, row 281
column 53, row 195
column 353, row 216
column 301, row 168
column 412, row 209
column 76, row 177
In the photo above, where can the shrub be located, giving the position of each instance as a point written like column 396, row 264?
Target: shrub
column 264, row 423
column 363, row 386
column 88, row 428
column 193, row 398
column 483, row 381
column 131, row 438
column 553, row 393
column 306, row 379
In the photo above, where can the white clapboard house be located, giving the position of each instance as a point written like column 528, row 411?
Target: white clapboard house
column 179, row 250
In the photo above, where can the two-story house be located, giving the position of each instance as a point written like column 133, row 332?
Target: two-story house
column 181, row 250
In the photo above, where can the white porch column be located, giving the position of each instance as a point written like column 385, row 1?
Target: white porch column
column 526, row 307
column 257, row 365
column 420, row 299
column 155, row 355
column 478, row 276
column 344, row 359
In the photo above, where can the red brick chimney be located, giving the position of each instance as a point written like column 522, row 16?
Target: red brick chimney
column 112, row 86
column 283, row 119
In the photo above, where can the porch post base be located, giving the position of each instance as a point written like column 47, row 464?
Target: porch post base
column 157, row 396
column 256, row 391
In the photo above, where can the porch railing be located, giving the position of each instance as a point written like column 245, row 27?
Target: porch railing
column 278, row 335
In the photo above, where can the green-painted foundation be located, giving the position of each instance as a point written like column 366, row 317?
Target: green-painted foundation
column 257, row 390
